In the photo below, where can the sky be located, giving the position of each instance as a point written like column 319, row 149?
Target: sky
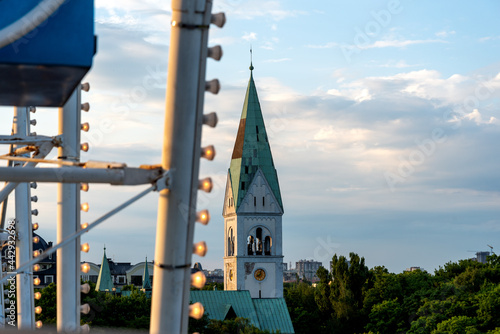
column 383, row 119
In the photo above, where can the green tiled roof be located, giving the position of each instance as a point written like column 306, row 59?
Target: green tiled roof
column 104, row 281
column 273, row 314
column 252, row 150
column 217, row 304
column 267, row 314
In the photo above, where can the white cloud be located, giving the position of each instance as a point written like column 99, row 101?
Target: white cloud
column 280, row 60
column 445, row 33
column 328, row 45
column 489, row 38
column 251, row 36
column 248, row 10
column 392, row 43
column 397, row 64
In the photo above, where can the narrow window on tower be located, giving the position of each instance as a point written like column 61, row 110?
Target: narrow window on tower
column 246, row 169
column 267, row 245
column 263, row 201
column 242, row 185
column 255, row 201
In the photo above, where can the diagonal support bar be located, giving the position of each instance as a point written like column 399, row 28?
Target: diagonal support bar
column 26, row 266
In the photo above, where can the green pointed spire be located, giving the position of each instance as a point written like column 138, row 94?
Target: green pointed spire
column 251, row 149
column 146, row 282
column 104, row 281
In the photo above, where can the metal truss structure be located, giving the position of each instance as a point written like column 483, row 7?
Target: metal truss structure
column 175, row 179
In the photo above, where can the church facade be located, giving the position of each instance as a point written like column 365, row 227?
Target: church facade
column 253, row 209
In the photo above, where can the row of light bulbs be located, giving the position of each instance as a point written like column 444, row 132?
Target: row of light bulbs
column 85, row 267
column 85, row 126
column 37, row 295
column 198, row 279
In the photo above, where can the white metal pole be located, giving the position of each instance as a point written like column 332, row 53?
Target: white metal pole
column 180, row 155
column 68, row 221
column 24, row 243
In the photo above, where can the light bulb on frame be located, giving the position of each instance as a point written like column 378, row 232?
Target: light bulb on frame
column 198, row 280
column 85, row 127
column 84, row 226
column 196, row 310
column 203, row 217
column 36, row 281
column 84, row 187
column 37, row 295
column 85, row 308
column 205, row 184
column 36, row 267
column 200, row 248
column 85, row 288
column 84, row 207
column 84, row 147
column 208, row 152
column 39, row 324
column 38, row 309
column 85, row 267
column 35, row 226
column 36, row 240
column 85, row 247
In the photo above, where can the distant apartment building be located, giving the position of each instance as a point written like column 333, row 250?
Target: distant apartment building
column 481, row 257
column 306, row 269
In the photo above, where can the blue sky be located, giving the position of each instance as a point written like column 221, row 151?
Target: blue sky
column 383, row 118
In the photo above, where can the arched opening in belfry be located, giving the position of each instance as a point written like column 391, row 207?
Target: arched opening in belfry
column 258, row 237
column 268, row 243
column 250, row 245
column 230, row 243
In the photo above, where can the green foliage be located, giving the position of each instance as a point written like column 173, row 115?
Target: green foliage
column 349, row 281
column 110, row 310
column 300, row 299
column 386, row 317
column 461, row 297
column 457, row 325
column 48, row 303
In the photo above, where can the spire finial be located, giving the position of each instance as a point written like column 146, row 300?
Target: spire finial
column 251, row 65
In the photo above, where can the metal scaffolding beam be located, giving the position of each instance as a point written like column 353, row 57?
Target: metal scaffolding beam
column 24, row 240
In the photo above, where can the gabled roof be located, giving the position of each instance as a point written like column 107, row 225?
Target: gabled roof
column 251, row 149
column 104, row 281
column 216, row 304
column 273, row 314
column 267, row 314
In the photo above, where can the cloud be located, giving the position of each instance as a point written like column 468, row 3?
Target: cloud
column 489, row 38
column 248, row 10
column 252, row 36
column 397, row 64
column 392, row 43
column 328, row 45
column 280, row 60
column 445, row 33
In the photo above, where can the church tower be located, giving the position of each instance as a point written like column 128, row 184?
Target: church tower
column 253, row 209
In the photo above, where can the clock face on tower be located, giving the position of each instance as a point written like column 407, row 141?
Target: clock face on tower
column 259, row 274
